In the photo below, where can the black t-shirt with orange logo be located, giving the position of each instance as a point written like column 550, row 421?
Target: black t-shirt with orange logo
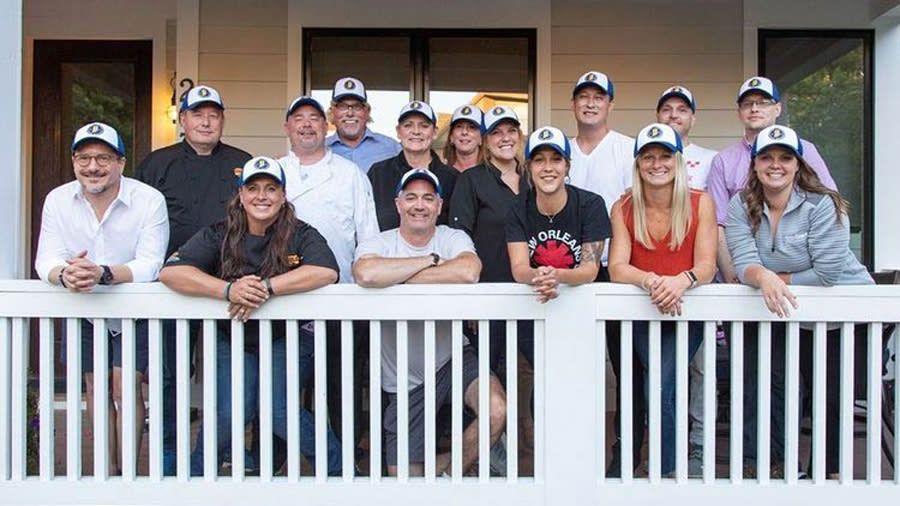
column 204, row 251
column 556, row 240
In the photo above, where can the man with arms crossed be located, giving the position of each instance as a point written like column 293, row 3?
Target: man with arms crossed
column 419, row 251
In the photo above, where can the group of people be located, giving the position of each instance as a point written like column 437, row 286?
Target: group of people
column 655, row 211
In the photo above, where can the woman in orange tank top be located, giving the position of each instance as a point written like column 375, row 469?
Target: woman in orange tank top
column 664, row 241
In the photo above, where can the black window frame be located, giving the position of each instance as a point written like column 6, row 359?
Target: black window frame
column 868, row 169
column 419, row 68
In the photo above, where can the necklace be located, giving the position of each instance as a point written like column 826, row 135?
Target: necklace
column 550, row 217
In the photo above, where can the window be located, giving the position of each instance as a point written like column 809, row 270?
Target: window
column 446, row 68
column 825, row 78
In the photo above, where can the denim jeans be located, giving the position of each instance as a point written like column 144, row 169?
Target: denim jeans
column 668, row 343
column 251, row 404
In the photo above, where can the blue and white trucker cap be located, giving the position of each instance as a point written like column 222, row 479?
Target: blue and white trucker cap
column 348, row 87
column 417, row 107
column 300, row 102
column 469, row 113
column 499, row 113
column 658, row 133
column 199, row 95
column 102, row 132
column 548, row 136
column 594, row 78
column 777, row 135
column 762, row 85
column 423, row 174
column 262, row 166
column 680, row 92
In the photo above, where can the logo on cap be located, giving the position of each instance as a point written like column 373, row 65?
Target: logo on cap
column 415, row 106
column 545, row 134
column 466, row 110
column 776, row 133
column 590, row 77
column 203, row 92
column 498, row 110
column 261, row 164
column 348, row 84
column 676, row 89
column 95, row 129
column 754, row 82
column 654, row 132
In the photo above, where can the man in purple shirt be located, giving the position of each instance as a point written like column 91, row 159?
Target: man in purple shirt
column 759, row 105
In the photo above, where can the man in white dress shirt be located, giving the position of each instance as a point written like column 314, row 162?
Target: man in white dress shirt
column 104, row 229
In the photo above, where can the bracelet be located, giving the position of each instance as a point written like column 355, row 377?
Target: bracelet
column 62, row 281
column 691, row 277
column 268, row 283
column 228, row 291
column 644, row 281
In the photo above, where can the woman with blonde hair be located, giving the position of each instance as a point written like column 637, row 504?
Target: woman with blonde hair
column 480, row 204
column 664, row 241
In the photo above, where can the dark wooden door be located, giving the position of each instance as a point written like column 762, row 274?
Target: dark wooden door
column 76, row 82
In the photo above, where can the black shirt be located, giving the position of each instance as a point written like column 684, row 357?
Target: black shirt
column 480, row 204
column 196, row 188
column 204, row 251
column 556, row 240
column 386, row 174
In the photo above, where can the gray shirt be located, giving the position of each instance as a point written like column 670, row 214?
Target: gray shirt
column 810, row 243
column 448, row 243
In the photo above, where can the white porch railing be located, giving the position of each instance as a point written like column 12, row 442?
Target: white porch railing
column 570, row 448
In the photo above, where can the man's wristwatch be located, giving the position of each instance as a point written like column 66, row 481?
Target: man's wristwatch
column 435, row 259
column 107, row 277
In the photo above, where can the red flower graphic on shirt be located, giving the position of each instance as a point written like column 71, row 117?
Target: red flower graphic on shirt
column 554, row 253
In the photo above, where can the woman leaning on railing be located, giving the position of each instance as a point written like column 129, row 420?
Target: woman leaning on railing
column 787, row 228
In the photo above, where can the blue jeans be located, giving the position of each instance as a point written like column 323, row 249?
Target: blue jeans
column 641, row 331
column 251, row 398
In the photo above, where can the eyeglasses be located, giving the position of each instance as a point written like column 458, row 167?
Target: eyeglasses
column 755, row 104
column 344, row 107
column 102, row 159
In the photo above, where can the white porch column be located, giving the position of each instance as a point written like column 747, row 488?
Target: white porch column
column 187, row 35
column 887, row 131
column 12, row 191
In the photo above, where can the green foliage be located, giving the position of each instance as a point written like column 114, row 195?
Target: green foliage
column 826, row 108
column 91, row 104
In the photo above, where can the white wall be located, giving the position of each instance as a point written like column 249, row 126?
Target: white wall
column 243, row 54
column 887, row 133
column 646, row 46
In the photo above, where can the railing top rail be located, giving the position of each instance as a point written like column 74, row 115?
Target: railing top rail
column 32, row 298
